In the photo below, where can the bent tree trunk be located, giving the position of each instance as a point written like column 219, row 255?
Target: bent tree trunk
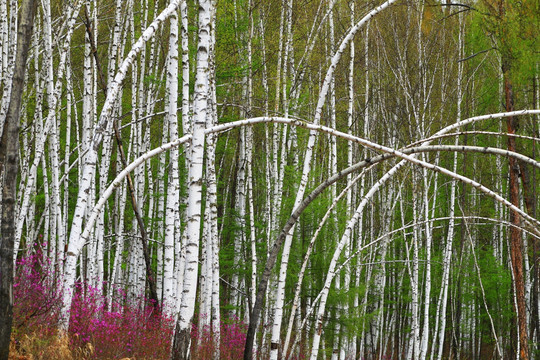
column 76, row 241
column 9, row 161
column 257, row 306
column 150, row 278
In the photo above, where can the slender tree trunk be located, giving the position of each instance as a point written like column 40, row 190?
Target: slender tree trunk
column 3, row 40
column 535, row 301
column 516, row 242
column 180, row 244
column 9, row 162
column 172, row 213
column 212, row 203
column 280, row 290
column 350, row 348
column 447, row 253
column 9, row 66
column 182, row 333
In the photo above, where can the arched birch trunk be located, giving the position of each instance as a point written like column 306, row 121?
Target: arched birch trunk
column 76, row 242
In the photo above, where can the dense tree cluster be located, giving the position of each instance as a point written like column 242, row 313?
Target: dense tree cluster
column 353, row 179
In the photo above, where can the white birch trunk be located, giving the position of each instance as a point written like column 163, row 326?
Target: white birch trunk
column 172, row 214
column 280, row 290
column 214, row 241
column 447, row 255
column 237, row 281
column 11, row 46
column 206, row 284
column 186, row 127
column 214, row 316
column 333, row 170
column 187, row 307
column 249, row 158
column 3, row 41
column 350, row 346
column 75, row 241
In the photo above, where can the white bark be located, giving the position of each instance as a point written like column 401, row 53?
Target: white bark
column 200, row 105
column 447, row 254
column 307, row 168
column 249, row 158
column 239, row 239
column 172, row 214
column 9, row 62
column 51, row 117
column 350, row 347
column 212, row 205
column 3, row 40
column 186, row 125
column 210, row 235
column 57, row 226
column 186, row 121
column 333, row 170
column 76, row 242
column 280, row 290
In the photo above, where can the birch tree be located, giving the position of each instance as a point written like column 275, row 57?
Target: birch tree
column 9, row 162
column 76, row 242
column 181, row 340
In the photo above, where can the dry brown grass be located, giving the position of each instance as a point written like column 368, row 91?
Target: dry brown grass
column 35, row 346
column 40, row 346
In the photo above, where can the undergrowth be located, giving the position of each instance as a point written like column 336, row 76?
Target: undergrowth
column 99, row 328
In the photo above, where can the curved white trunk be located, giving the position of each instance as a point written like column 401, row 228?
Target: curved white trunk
column 76, row 242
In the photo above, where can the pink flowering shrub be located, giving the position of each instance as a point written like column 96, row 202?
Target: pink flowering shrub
column 124, row 331
column 233, row 339
column 98, row 329
column 201, row 342
column 36, row 295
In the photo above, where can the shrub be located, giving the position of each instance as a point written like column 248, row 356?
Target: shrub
column 98, row 329
column 36, row 295
column 125, row 331
column 233, row 339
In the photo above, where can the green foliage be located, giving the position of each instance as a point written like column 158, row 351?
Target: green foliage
column 411, row 69
column 497, row 283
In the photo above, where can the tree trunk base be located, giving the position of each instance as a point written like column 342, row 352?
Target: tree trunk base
column 181, row 343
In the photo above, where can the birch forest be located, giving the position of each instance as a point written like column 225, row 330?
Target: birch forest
column 269, row 179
